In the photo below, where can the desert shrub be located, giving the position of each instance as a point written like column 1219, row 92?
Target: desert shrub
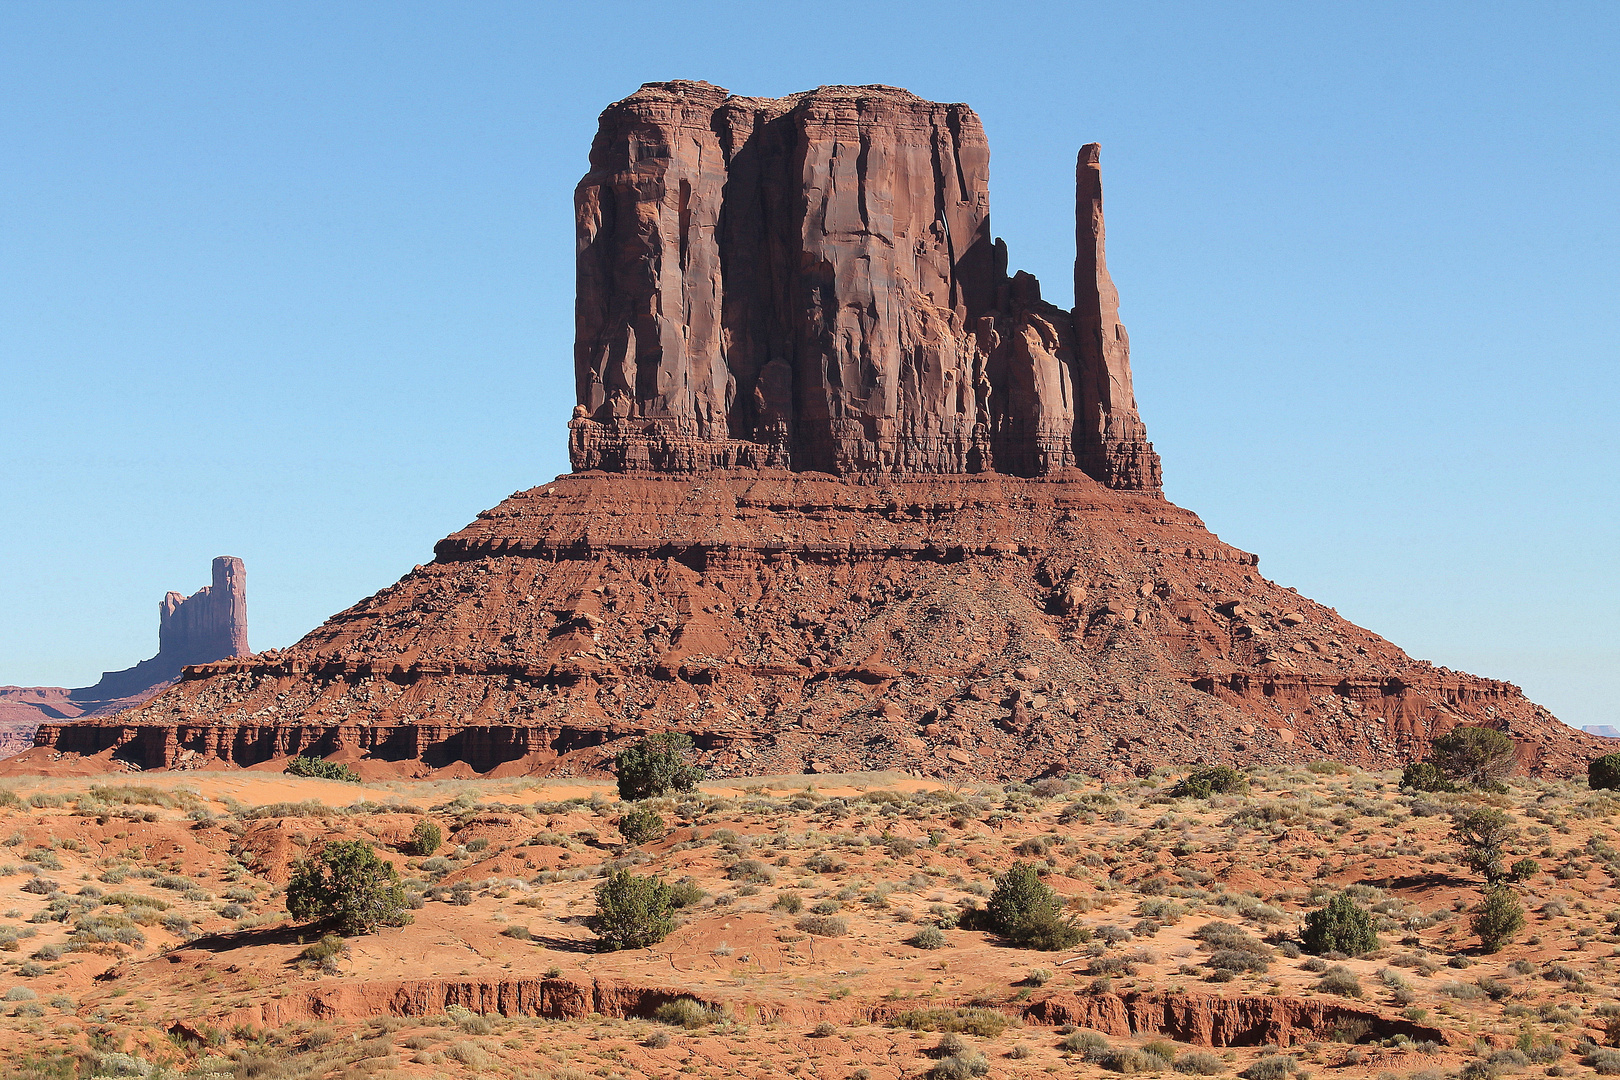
column 20, row 993
column 1214, row 780
column 1028, row 912
column 823, row 925
column 1159, row 1048
column 641, row 825
column 687, row 1013
column 985, row 1023
column 1484, row 834
column 518, row 933
column 1200, row 1063
column 1340, row 980
column 1604, row 772
column 684, row 893
column 1339, row 926
column 425, row 838
column 656, row 765
column 1424, row 776
column 1477, row 756
column 930, row 937
column 347, row 882
column 960, row 1066
column 790, row 902
column 631, row 912
column 329, row 947
column 1523, row 870
column 658, row 1040
column 751, row 870
column 103, row 928
column 321, row 769
column 1270, row 1067
column 824, row 862
column 1603, row 1061
column 1497, row 917
column 1048, row 932
column 1238, row 960
column 1084, row 1042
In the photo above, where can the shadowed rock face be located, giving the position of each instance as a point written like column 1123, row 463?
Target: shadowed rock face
column 810, row 283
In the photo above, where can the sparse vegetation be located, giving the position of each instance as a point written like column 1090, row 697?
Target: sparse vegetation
column 654, row 766
column 1478, row 757
column 349, row 884
column 1497, row 918
column 321, row 769
column 1339, row 926
column 631, row 912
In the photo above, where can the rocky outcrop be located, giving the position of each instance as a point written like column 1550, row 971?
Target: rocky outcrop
column 210, row 624
column 847, row 496
column 810, row 283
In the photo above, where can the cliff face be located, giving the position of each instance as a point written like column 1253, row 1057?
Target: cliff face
column 810, row 283
column 208, row 625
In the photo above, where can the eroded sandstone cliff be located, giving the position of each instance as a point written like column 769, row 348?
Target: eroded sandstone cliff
column 810, row 283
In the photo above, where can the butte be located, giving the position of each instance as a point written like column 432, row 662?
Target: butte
column 845, row 495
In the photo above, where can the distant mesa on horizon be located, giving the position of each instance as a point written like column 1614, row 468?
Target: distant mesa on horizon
column 1607, row 731
column 208, row 625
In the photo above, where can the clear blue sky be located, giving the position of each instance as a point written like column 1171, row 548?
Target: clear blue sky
column 294, row 282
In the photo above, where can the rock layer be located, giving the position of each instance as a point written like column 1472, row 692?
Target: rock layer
column 972, row 626
column 810, row 283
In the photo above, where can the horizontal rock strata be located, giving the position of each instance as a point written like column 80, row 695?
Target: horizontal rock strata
column 972, row 625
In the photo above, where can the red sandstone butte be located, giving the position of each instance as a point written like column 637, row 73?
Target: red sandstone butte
column 845, row 496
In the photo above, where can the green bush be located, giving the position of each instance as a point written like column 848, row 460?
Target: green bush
column 1479, row 757
column 1523, row 870
column 1340, row 926
column 321, row 769
column 930, row 937
column 631, row 912
column 790, row 902
column 1026, row 911
column 1497, row 918
column 1604, row 772
column 1214, row 780
column 641, row 825
column 425, row 838
column 349, row 883
column 655, row 766
column 1484, row 833
column 1423, row 776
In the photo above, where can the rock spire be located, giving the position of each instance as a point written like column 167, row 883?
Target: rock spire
column 810, row 283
